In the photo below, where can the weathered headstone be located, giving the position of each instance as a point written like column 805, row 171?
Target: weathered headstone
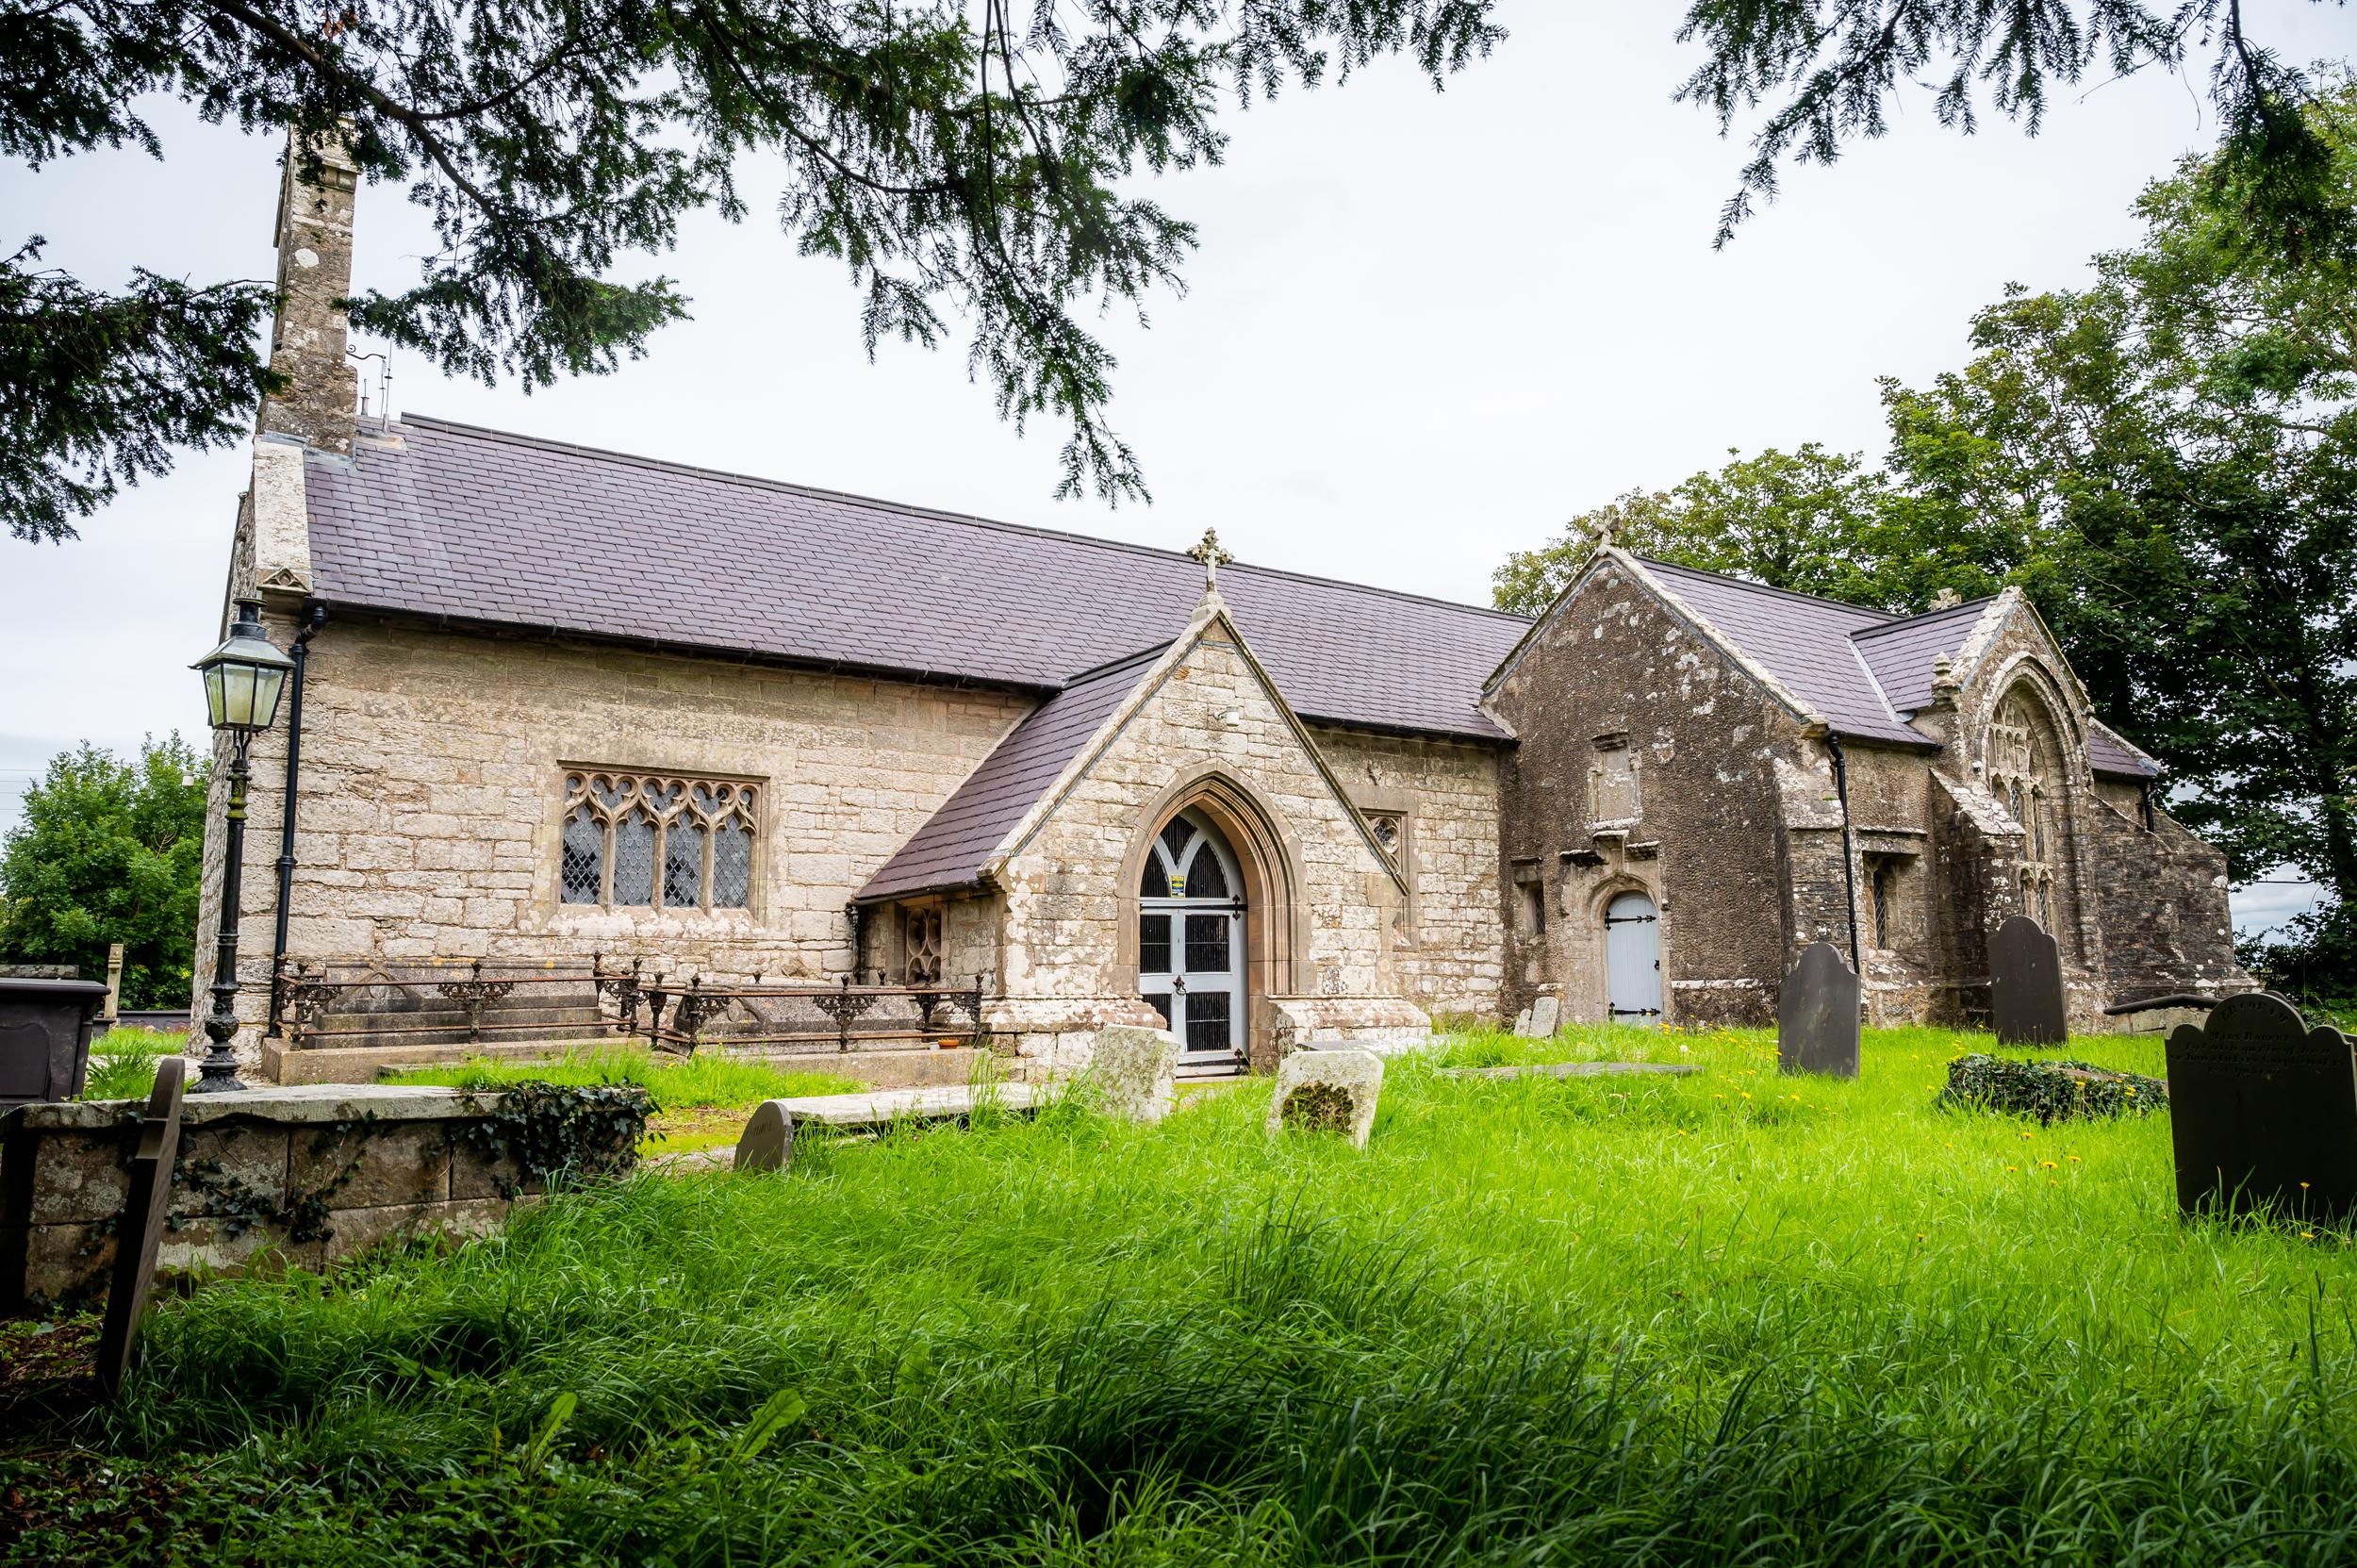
column 1545, row 1016
column 114, row 987
column 1817, row 1022
column 2025, row 985
column 1328, row 1091
column 1133, row 1072
column 140, row 1232
column 1521, row 1024
column 768, row 1140
column 2263, row 1111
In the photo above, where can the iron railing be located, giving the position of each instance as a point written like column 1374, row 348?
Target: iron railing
column 331, row 1001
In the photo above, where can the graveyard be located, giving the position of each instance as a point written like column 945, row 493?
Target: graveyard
column 1657, row 1316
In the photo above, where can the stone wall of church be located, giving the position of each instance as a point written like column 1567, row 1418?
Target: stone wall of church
column 1450, row 952
column 1067, row 907
column 433, row 765
column 2161, row 901
column 1647, row 763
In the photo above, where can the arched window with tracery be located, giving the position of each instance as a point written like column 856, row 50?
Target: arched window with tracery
column 2025, row 772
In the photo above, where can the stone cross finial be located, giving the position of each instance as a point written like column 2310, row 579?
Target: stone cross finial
column 1213, row 557
column 1604, row 534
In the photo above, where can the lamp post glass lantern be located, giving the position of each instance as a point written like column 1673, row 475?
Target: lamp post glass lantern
column 243, row 678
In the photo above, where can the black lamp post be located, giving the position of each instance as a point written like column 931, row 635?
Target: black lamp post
column 242, row 680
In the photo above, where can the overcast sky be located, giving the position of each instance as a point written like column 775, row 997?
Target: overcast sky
column 1422, row 331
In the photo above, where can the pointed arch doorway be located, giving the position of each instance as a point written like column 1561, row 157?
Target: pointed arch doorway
column 1192, row 939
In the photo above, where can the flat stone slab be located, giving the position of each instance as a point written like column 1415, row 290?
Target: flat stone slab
column 883, row 1107
column 1573, row 1070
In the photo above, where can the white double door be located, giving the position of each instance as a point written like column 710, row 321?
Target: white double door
column 1190, row 937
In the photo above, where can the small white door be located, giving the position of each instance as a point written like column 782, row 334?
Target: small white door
column 1632, row 958
column 1191, row 936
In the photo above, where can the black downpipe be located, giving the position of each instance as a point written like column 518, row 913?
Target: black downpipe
column 1849, row 876
column 2149, row 824
column 301, row 654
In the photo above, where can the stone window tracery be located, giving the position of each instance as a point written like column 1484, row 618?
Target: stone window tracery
column 656, row 841
column 921, row 939
column 2024, row 773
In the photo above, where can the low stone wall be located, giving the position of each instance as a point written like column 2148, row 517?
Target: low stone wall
column 289, row 1175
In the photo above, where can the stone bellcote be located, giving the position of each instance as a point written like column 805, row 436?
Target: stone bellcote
column 320, row 403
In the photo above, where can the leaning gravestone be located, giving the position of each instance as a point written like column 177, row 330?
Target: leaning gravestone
column 1818, row 1023
column 1545, row 1013
column 2025, row 985
column 1328, row 1091
column 768, row 1140
column 1521, row 1024
column 1135, row 1072
column 140, row 1232
column 2262, row 1111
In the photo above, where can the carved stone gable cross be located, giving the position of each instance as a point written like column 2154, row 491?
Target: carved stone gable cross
column 1212, row 555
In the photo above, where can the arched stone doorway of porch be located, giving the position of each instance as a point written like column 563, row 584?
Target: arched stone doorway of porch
column 1260, row 861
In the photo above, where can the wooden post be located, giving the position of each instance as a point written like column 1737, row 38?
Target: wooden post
column 141, row 1230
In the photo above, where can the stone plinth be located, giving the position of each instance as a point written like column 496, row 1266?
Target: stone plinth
column 1328, row 1091
column 1134, row 1073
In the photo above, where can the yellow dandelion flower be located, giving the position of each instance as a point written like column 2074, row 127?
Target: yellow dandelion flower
column 1747, row 1097
column 2049, row 1165
column 2307, row 1236
column 2013, row 1167
column 2072, row 1158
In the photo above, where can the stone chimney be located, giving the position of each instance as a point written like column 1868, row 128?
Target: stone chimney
column 320, row 401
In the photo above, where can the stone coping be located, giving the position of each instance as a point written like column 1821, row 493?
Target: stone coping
column 297, row 1103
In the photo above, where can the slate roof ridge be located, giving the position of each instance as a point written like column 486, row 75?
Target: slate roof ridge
column 1979, row 606
column 902, row 508
column 1113, row 667
column 1752, row 584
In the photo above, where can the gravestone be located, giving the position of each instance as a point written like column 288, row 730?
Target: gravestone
column 1545, row 1015
column 2025, row 985
column 2263, row 1110
column 140, row 1232
column 1327, row 1091
column 1133, row 1072
column 768, row 1140
column 1817, row 1022
column 1521, row 1024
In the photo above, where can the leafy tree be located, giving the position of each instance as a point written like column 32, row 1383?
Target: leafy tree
column 1811, row 521
column 109, row 852
column 953, row 166
column 2166, row 463
column 956, row 166
column 1843, row 61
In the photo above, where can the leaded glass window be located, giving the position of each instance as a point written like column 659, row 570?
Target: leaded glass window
column 653, row 841
column 582, row 878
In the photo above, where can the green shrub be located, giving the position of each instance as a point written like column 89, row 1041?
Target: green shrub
column 2051, row 1091
column 122, row 1062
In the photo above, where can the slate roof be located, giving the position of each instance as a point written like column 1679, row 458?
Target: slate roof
column 481, row 527
column 1802, row 641
column 954, row 842
column 1866, row 671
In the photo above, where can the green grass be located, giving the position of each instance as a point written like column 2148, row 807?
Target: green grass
column 1733, row 1317
column 122, row 1062
column 708, row 1079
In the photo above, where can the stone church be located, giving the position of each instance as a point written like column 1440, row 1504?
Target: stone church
column 1106, row 784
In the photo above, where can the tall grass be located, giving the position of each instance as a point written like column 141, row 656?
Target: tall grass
column 1732, row 1318
column 708, row 1077
column 122, row 1062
